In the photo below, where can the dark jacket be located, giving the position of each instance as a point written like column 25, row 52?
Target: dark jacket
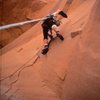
column 47, row 23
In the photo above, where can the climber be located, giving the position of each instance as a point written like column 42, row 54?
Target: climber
column 52, row 22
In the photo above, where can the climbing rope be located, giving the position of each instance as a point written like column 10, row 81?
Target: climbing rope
column 21, row 23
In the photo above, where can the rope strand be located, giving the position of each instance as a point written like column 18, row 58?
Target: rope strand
column 21, row 23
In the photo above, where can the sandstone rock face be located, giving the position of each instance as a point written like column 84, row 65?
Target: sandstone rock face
column 75, row 4
column 70, row 70
column 83, row 77
column 16, row 11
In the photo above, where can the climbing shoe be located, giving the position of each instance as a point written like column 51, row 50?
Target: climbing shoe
column 45, row 49
column 60, row 36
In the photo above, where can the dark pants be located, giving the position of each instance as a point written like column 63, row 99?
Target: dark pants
column 45, row 32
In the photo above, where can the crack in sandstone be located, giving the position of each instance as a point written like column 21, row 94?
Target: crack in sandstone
column 18, row 75
column 20, row 68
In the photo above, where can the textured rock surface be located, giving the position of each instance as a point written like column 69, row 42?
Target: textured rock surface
column 83, row 77
column 70, row 71
column 17, row 11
